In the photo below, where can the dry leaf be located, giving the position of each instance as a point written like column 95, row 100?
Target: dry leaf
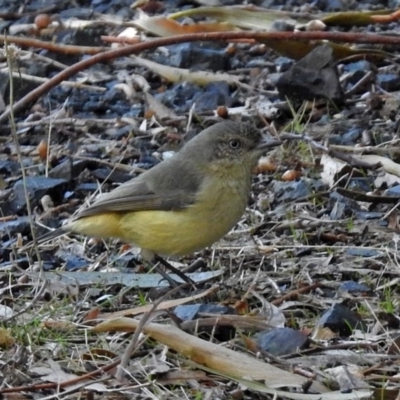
column 211, row 355
column 176, row 75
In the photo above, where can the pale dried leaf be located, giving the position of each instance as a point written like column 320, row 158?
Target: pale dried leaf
column 332, row 167
column 388, row 165
column 176, row 75
column 224, row 360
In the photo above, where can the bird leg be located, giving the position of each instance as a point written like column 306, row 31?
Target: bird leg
column 174, row 270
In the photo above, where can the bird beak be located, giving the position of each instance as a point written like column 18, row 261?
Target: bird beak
column 267, row 144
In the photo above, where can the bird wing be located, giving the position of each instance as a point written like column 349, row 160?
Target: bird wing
column 136, row 195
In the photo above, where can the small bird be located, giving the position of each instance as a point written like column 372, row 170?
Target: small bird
column 184, row 203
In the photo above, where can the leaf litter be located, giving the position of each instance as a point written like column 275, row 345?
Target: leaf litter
column 312, row 265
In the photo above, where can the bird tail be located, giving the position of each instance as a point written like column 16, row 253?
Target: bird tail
column 43, row 239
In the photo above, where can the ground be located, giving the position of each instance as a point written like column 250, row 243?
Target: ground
column 305, row 285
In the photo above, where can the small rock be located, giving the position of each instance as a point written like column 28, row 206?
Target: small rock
column 9, row 167
column 37, row 187
column 361, row 65
column 73, row 262
column 354, row 288
column 147, row 161
column 393, row 191
column 389, row 82
column 329, row 5
column 179, row 96
column 368, row 215
column 87, row 187
column 215, row 94
column 111, row 176
column 284, row 63
column 289, row 191
column 191, row 312
column 62, row 171
column 362, row 252
column 196, row 57
column 341, row 207
column 315, row 76
column 281, row 341
column 340, row 319
column 351, row 136
column 11, row 228
column 360, row 184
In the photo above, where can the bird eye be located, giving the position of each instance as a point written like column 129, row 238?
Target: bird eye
column 235, row 144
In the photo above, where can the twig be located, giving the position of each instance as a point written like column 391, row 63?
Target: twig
column 29, row 55
column 10, row 52
column 349, row 159
column 295, row 293
column 56, row 47
column 280, row 36
column 39, row 79
column 370, row 198
column 366, row 78
column 382, row 151
column 106, row 56
column 74, row 389
column 304, row 223
column 77, row 122
column 142, row 323
column 119, row 166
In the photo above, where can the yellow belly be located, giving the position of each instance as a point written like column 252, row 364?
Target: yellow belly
column 177, row 233
column 169, row 233
column 174, row 233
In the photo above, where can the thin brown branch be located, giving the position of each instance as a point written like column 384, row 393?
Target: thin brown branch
column 295, row 293
column 146, row 318
column 137, row 48
column 56, row 47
